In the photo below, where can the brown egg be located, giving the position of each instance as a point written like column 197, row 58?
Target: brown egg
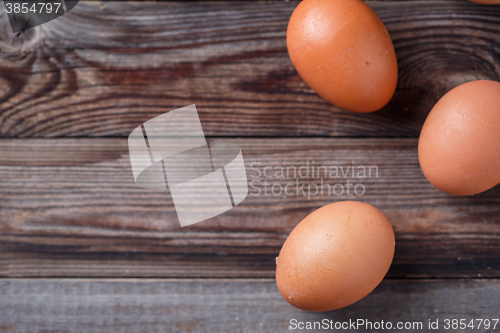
column 459, row 146
column 343, row 51
column 334, row 257
column 487, row 2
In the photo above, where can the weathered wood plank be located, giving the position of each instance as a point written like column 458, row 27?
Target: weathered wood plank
column 106, row 67
column 69, row 207
column 229, row 305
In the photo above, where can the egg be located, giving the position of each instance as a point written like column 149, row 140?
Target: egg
column 335, row 256
column 343, row 51
column 459, row 145
column 487, row 2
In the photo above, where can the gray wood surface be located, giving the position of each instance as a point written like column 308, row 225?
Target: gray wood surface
column 227, row 305
column 106, row 67
column 70, row 207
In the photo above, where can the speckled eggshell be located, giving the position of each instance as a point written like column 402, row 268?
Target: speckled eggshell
column 334, row 257
column 343, row 51
column 459, row 145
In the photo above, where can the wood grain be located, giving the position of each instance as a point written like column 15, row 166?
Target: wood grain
column 106, row 67
column 221, row 305
column 70, row 207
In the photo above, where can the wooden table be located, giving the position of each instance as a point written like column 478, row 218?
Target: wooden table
column 83, row 249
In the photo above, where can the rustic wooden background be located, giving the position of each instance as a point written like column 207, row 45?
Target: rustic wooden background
column 83, row 249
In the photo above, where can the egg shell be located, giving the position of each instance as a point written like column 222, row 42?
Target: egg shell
column 343, row 51
column 487, row 2
column 459, row 145
column 334, row 257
